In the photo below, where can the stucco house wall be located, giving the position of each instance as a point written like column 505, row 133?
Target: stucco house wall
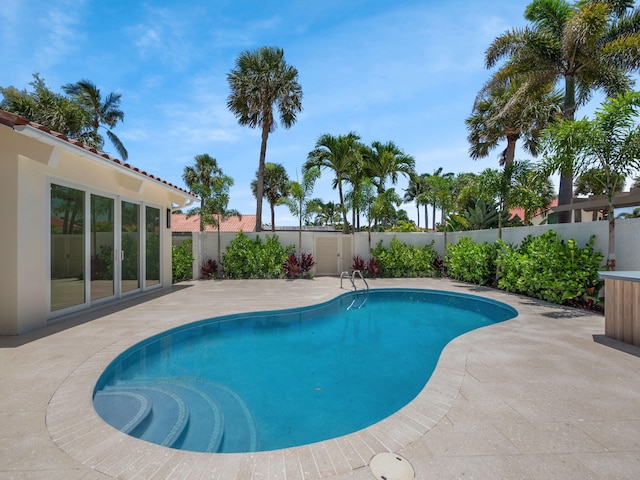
column 32, row 159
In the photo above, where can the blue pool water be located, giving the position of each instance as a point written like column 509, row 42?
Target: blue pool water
column 269, row 380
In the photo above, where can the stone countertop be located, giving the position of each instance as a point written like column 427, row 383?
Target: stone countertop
column 631, row 276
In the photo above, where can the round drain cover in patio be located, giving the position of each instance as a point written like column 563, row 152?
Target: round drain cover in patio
column 390, row 466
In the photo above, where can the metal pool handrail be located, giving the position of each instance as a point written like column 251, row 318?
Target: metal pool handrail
column 356, row 293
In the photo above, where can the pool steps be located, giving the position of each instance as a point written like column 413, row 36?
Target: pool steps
column 156, row 411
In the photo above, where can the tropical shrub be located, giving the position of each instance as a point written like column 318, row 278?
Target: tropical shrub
column 209, row 269
column 369, row 268
column 246, row 258
column 359, row 264
column 471, row 262
column 294, row 268
column 549, row 268
column 400, row 260
column 181, row 262
column 373, row 267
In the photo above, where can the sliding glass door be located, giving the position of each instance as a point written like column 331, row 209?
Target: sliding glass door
column 101, row 247
column 67, row 254
column 152, row 246
column 130, row 247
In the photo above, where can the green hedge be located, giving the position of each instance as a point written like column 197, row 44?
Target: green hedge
column 471, row 262
column 549, row 268
column 400, row 260
column 544, row 267
column 181, row 262
column 246, row 258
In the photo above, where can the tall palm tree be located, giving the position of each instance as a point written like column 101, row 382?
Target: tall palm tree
column 328, row 214
column 200, row 179
column 355, row 198
column 105, row 113
column 339, row 154
column 260, row 81
column 589, row 45
column 496, row 117
column 415, row 192
column 276, row 186
column 610, row 142
column 216, row 210
column 299, row 200
column 384, row 161
column 435, row 183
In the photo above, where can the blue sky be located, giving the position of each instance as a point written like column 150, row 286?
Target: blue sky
column 406, row 71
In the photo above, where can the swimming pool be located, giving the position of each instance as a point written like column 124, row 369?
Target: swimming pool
column 270, row 380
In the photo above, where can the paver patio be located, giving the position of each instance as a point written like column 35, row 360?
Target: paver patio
column 540, row 396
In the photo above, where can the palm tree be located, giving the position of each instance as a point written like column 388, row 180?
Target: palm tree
column 529, row 190
column 45, row 107
column 355, row 197
column 589, row 45
column 384, row 208
column 384, row 161
column 434, row 191
column 415, row 192
column 299, row 202
column 610, row 142
column 339, row 154
column 276, row 186
column 101, row 113
column 634, row 214
column 200, row 180
column 328, row 214
column 261, row 80
column 496, row 117
column 216, row 211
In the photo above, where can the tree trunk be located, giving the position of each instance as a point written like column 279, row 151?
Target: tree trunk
column 433, row 216
column 219, row 247
column 426, row 217
column 565, row 193
column 342, row 209
column 260, row 179
column 611, row 251
column 273, row 217
column 418, row 211
column 510, row 151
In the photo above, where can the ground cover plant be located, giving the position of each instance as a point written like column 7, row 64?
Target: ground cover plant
column 247, row 258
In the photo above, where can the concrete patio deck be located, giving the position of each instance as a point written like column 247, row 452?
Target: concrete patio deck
column 541, row 396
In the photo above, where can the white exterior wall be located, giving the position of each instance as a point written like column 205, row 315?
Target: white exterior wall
column 30, row 161
column 627, row 235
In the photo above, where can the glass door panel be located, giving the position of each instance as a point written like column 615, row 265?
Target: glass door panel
column 102, row 242
column 130, row 247
column 67, row 247
column 152, row 246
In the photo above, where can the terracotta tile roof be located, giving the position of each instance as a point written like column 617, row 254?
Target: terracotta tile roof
column 12, row 120
column 181, row 224
column 520, row 211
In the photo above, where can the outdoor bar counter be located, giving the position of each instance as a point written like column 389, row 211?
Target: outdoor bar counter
column 622, row 306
